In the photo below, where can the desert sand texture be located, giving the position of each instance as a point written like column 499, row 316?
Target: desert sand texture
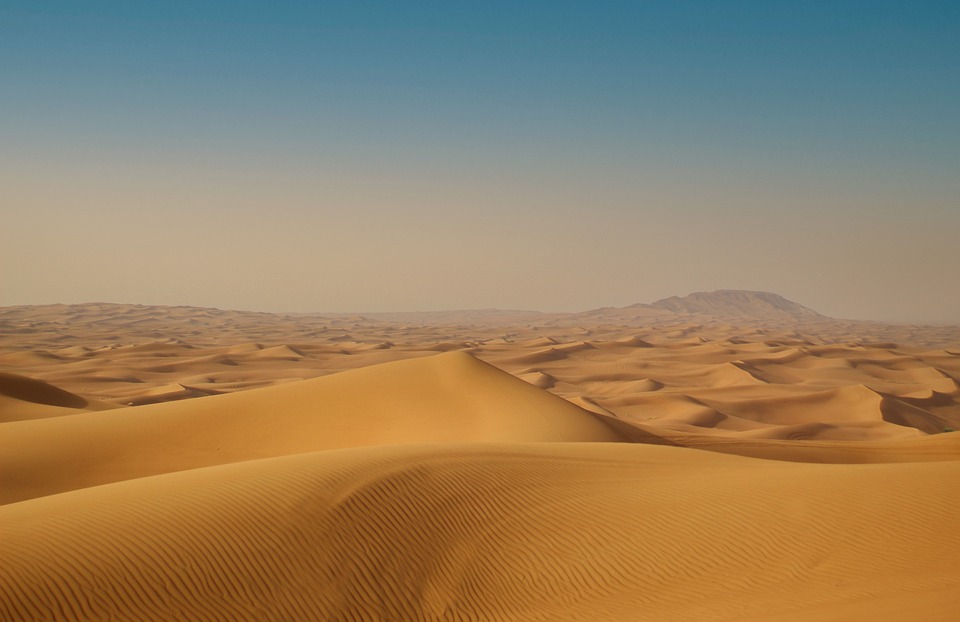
column 726, row 456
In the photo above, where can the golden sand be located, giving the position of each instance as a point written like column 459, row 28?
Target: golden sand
column 195, row 464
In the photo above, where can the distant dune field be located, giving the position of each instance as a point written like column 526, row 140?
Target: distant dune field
column 726, row 456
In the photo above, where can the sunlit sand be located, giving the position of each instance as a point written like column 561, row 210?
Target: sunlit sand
column 728, row 457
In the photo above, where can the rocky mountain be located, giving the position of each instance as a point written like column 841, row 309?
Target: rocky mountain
column 733, row 303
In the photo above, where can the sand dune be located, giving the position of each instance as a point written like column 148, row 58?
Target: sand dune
column 539, row 379
column 624, row 464
column 940, row 447
column 445, row 398
column 23, row 398
column 494, row 532
column 850, row 403
column 534, row 358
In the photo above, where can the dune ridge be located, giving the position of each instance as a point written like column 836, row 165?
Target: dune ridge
column 449, row 397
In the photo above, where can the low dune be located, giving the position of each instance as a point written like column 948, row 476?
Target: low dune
column 24, row 399
column 494, row 532
column 800, row 447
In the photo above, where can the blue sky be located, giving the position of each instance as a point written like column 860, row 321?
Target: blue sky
column 552, row 155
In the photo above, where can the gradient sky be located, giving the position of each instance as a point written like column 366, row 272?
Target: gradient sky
column 551, row 155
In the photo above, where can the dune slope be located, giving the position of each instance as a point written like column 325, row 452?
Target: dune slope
column 23, row 398
column 448, row 397
column 495, row 532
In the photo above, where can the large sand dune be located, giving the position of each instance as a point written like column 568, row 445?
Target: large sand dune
column 494, row 532
column 197, row 464
column 449, row 397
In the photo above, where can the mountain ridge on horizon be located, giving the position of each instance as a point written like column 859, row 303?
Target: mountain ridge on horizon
column 721, row 304
column 737, row 302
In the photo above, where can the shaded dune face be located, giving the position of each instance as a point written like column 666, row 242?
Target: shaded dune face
column 24, row 399
column 37, row 392
column 496, row 532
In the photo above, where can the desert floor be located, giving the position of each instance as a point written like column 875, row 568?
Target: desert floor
column 175, row 463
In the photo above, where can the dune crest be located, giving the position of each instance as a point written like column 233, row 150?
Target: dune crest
column 449, row 397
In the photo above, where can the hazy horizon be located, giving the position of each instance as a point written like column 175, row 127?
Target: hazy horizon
column 454, row 310
column 370, row 157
